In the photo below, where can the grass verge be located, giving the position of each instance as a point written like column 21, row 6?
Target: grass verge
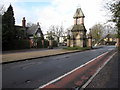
column 118, row 48
column 77, row 48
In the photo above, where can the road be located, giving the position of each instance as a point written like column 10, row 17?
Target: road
column 37, row 72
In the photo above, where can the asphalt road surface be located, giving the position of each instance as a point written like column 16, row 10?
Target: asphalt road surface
column 37, row 72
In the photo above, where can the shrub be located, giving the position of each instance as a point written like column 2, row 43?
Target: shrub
column 55, row 43
column 39, row 43
column 118, row 48
column 46, row 43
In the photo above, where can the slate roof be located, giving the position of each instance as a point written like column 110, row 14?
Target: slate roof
column 32, row 30
column 78, row 13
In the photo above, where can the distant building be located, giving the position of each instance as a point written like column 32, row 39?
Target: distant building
column 109, row 39
column 78, row 37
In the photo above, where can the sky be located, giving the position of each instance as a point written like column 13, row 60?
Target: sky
column 57, row 12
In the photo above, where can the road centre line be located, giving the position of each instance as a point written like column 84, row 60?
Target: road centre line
column 42, row 86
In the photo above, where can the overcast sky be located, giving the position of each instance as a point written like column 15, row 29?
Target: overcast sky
column 57, row 12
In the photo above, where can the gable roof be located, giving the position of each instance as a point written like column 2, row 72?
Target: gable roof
column 34, row 30
column 78, row 13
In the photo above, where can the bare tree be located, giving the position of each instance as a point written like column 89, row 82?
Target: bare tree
column 69, row 30
column 56, row 31
column 113, row 7
column 108, row 29
column 97, row 31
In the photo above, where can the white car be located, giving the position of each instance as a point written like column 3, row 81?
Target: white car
column 95, row 45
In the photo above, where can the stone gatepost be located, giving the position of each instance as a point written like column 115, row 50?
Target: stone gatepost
column 90, row 41
column 68, row 40
column 43, row 42
column 118, row 42
column 72, row 41
column 50, row 43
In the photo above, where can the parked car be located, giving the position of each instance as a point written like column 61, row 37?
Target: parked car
column 95, row 45
column 64, row 44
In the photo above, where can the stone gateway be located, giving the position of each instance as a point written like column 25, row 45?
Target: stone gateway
column 78, row 37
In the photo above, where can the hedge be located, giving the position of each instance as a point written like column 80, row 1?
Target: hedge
column 55, row 43
column 16, row 45
column 25, row 44
column 39, row 43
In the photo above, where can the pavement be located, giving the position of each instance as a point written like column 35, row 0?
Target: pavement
column 28, row 54
column 34, row 53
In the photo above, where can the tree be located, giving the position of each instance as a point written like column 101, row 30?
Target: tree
column 56, row 31
column 97, row 31
column 114, row 8
column 108, row 29
column 8, row 28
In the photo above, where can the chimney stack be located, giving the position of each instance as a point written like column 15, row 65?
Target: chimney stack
column 37, row 23
column 24, row 22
